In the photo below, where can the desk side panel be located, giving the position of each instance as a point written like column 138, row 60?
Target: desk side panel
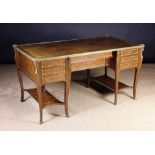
column 26, row 65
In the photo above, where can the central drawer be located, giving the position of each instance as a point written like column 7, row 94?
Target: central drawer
column 87, row 64
column 89, row 61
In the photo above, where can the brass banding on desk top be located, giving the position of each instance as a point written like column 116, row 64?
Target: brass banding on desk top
column 65, row 49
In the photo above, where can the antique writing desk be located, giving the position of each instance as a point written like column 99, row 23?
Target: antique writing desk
column 51, row 62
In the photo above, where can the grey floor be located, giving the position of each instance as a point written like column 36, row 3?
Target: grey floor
column 89, row 109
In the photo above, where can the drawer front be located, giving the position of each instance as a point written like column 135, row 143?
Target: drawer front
column 91, row 57
column 87, row 64
column 129, row 58
column 53, row 71
column 129, row 52
column 127, row 65
column 89, row 61
column 53, row 78
column 52, row 63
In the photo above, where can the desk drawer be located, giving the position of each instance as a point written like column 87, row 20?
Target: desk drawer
column 87, row 64
column 89, row 61
column 53, row 71
column 91, row 57
column 127, row 65
column 57, row 77
column 129, row 52
column 129, row 58
column 52, row 63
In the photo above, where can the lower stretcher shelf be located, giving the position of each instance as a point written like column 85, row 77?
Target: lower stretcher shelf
column 104, row 81
column 47, row 98
column 108, row 82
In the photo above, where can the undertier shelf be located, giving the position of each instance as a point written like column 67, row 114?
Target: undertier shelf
column 108, row 82
column 104, row 81
column 82, row 82
column 47, row 98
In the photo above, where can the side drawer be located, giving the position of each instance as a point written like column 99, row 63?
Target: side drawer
column 53, row 71
column 129, row 52
column 52, row 63
column 53, row 78
column 127, row 65
column 129, row 58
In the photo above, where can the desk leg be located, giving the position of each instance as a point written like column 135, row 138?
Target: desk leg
column 136, row 77
column 39, row 91
column 67, row 86
column 20, row 76
column 43, row 88
column 116, row 85
column 117, row 72
column 137, row 72
column 106, row 68
column 40, row 87
column 88, row 78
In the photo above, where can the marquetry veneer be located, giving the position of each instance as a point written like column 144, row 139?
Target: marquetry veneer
column 52, row 62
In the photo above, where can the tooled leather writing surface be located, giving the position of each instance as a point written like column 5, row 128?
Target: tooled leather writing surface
column 63, row 48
